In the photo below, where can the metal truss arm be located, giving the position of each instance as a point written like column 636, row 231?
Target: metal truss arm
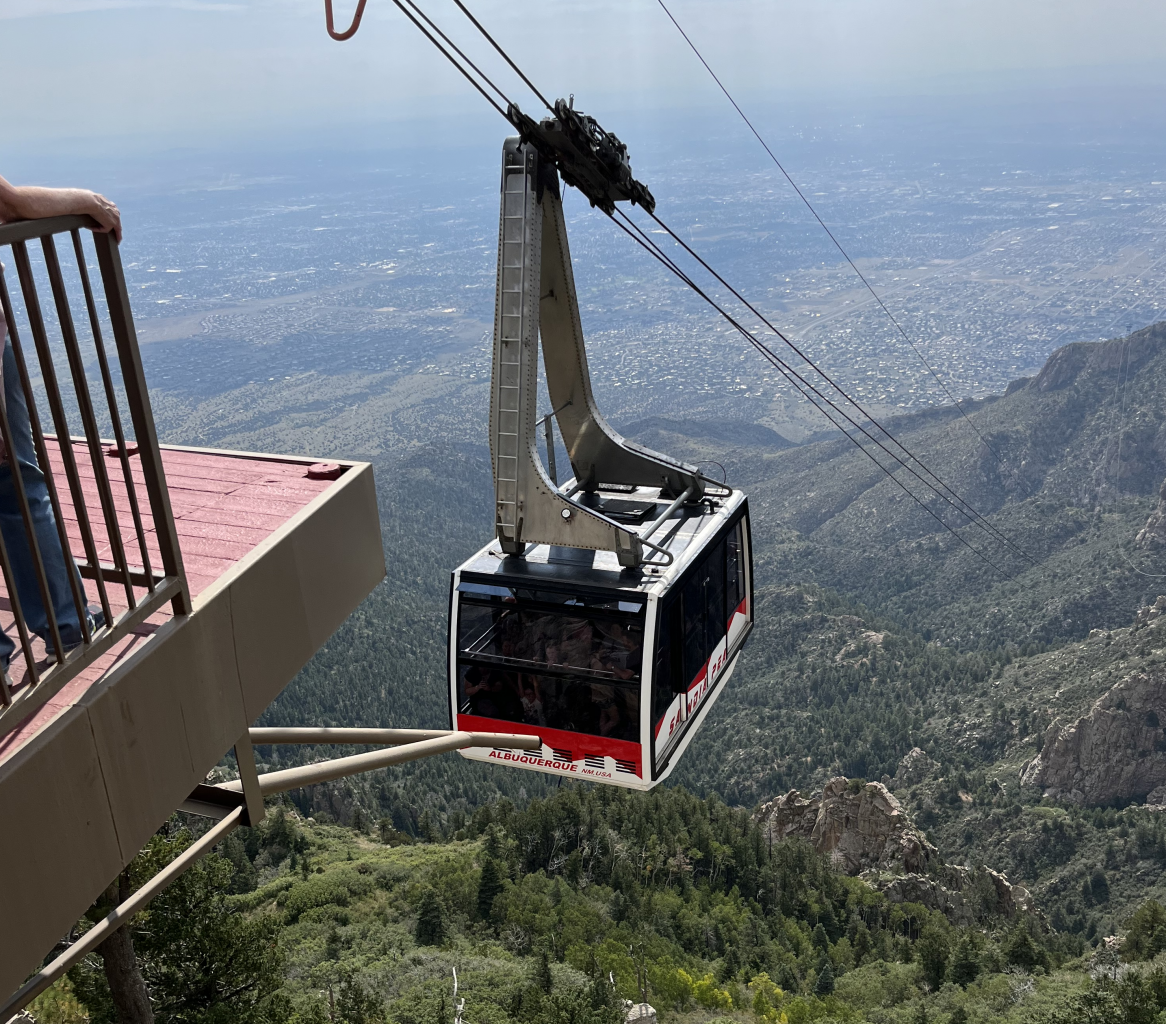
column 536, row 298
column 326, row 771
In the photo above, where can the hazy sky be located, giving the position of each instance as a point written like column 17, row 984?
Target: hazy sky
column 163, row 72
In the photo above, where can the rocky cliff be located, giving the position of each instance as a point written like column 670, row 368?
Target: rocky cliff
column 860, row 826
column 963, row 895
column 915, row 767
column 1153, row 534
column 1113, row 754
column 865, row 830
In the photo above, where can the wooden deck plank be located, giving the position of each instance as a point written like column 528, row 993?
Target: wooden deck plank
column 224, row 507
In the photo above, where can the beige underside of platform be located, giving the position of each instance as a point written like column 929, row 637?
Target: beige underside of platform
column 81, row 798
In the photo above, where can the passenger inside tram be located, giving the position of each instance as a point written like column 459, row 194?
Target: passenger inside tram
column 556, row 702
column 575, row 669
column 533, row 709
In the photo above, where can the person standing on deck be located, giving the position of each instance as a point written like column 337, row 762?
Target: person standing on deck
column 31, row 203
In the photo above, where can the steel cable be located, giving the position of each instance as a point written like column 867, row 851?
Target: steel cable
column 788, row 372
column 970, row 512
column 445, row 53
column 802, row 386
column 833, row 238
column 505, row 56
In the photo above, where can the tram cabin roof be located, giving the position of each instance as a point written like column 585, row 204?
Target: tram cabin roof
column 683, row 536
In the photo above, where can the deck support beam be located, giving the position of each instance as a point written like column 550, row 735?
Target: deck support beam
column 436, row 742
column 249, row 777
column 45, row 977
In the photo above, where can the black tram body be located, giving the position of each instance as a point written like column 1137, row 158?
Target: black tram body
column 614, row 669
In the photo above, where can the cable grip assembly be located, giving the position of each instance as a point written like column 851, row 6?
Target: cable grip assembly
column 586, row 156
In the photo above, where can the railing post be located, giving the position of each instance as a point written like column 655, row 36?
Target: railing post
column 141, row 415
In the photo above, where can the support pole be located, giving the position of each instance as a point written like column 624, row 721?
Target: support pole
column 249, row 776
column 118, row 916
column 326, row 771
column 263, row 736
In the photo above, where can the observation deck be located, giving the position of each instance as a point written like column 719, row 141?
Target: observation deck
column 218, row 575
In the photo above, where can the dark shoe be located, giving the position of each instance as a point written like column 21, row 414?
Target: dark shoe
column 96, row 622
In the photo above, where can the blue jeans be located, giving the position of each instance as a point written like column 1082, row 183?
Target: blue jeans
column 57, row 565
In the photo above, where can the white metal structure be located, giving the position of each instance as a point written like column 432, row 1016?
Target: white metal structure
column 607, row 613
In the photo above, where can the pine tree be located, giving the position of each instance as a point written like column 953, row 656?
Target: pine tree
column 357, row 1006
column 199, row 955
column 1100, row 886
column 430, row 930
column 819, row 937
column 489, row 886
column 965, row 965
column 932, row 952
column 542, row 973
column 731, row 965
column 825, row 984
column 495, row 844
column 428, row 828
column 862, row 944
column 1021, row 951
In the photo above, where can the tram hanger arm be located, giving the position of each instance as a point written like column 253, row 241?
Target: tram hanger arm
column 536, row 302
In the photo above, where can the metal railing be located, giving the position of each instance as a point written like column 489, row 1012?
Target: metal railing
column 131, row 555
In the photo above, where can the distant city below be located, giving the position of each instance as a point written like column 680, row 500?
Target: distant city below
column 386, row 271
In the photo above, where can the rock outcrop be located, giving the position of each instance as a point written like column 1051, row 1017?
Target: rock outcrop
column 859, row 826
column 865, row 830
column 1068, row 363
column 1148, row 613
column 1115, row 753
column 1156, row 799
column 928, row 891
column 963, row 895
column 1153, row 534
column 914, row 768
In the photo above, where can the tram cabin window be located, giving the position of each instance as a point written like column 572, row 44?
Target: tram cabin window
column 694, row 622
column 550, row 659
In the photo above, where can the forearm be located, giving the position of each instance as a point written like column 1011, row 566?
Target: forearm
column 32, row 202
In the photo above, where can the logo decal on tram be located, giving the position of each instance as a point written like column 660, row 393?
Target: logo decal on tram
column 686, row 704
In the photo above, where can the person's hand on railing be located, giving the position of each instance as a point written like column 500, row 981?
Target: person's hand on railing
column 32, row 202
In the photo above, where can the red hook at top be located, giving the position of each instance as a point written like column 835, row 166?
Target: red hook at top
column 351, row 31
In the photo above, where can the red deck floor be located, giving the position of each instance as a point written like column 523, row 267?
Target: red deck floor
column 224, row 506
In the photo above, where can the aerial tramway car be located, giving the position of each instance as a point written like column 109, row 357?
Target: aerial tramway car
column 608, row 613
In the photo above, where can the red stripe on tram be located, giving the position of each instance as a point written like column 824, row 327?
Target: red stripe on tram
column 579, row 744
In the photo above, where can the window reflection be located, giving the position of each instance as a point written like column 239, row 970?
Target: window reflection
column 556, row 702
column 553, row 660
column 695, row 619
column 510, row 632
